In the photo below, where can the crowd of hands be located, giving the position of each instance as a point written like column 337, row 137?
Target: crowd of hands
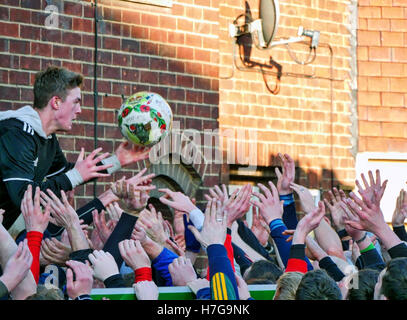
column 357, row 213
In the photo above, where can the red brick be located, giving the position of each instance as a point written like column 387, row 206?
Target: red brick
column 399, row 54
column 30, row 63
column 392, row 69
column 30, row 32
column 381, row 3
column 167, row 22
column 72, row 8
column 9, row 29
column 62, row 52
column 71, row 38
column 149, row 20
column 184, row 81
column 390, row 99
column 368, row 38
column 378, row 24
column 398, row 84
column 379, row 54
column 184, row 25
column 20, row 15
column 392, row 39
column 51, row 35
column 369, row 128
column 41, row 49
column 84, row 25
column 158, row 35
column 396, row 130
column 369, row 68
column 369, row 12
column 378, row 84
column 399, row 25
column 400, row 3
column 19, row 46
column 121, row 59
column 368, row 98
column 111, row 43
column 130, row 17
column 392, row 13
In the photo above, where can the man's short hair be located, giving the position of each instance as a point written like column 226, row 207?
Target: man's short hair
column 318, row 285
column 394, row 281
column 263, row 270
column 54, row 81
column 367, row 279
column 288, row 285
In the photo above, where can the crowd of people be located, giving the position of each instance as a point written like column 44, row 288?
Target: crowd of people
column 340, row 249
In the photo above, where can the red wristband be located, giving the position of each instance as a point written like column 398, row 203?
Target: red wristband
column 143, row 274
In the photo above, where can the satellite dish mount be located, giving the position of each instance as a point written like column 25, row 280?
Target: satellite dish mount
column 263, row 30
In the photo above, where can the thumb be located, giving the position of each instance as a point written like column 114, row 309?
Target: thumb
column 278, row 173
column 195, row 232
column 69, row 278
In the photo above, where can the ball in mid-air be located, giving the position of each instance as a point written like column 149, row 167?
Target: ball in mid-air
column 145, row 118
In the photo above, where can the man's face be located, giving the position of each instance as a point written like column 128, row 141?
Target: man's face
column 68, row 109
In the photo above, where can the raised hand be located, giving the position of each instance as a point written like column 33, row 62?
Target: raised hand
column 400, row 211
column 34, row 218
column 270, row 206
column 349, row 219
column 287, row 177
column 83, row 279
column 306, row 199
column 179, row 201
column 103, row 264
column 308, row 223
column 373, row 192
column 214, row 225
column 17, row 266
column 237, row 206
column 133, row 254
column 367, row 214
column 334, row 206
column 114, row 211
column 54, row 251
column 134, row 197
column 182, row 272
column 87, row 167
column 128, row 153
column 146, row 290
column 217, row 193
column 62, row 213
column 103, row 228
column 152, row 223
column 260, row 228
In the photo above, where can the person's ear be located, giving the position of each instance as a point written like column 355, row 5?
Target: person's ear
column 55, row 102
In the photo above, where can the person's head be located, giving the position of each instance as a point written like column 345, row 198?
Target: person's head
column 287, row 285
column 60, row 90
column 363, row 288
column 392, row 281
column 262, row 271
column 318, row 285
column 44, row 293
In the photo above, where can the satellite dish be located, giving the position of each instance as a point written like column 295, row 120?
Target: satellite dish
column 269, row 13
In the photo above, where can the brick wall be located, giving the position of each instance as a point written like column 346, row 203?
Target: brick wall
column 308, row 118
column 382, row 66
column 171, row 51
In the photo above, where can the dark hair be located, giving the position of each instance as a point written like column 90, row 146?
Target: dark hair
column 54, row 81
column 367, row 279
column 394, row 281
column 318, row 285
column 43, row 293
column 263, row 271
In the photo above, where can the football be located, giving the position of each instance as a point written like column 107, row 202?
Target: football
column 145, row 118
